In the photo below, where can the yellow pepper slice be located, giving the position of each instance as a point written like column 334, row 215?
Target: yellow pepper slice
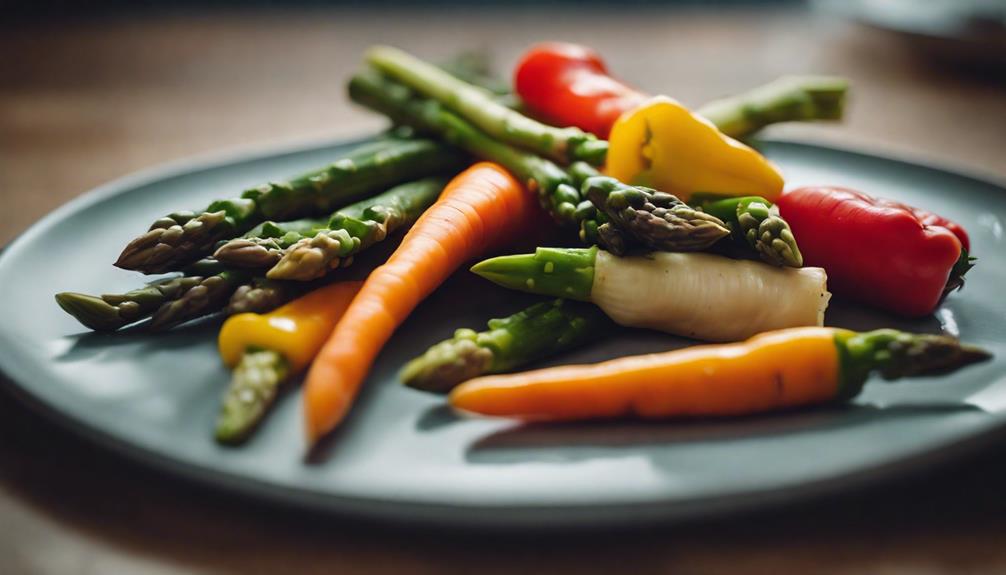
column 296, row 330
column 662, row 144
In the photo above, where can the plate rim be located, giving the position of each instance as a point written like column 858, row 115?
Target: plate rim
column 577, row 515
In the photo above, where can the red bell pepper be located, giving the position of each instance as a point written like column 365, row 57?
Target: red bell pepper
column 569, row 85
column 878, row 251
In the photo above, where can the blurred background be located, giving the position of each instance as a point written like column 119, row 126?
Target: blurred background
column 90, row 91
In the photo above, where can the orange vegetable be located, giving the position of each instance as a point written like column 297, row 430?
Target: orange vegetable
column 773, row 370
column 480, row 210
column 295, row 330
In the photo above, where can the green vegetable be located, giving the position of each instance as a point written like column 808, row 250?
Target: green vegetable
column 254, row 385
column 788, row 99
column 896, row 354
column 354, row 229
column 110, row 312
column 756, row 224
column 210, row 295
column 544, row 329
column 655, row 219
column 179, row 238
column 262, row 295
column 553, row 185
column 480, row 107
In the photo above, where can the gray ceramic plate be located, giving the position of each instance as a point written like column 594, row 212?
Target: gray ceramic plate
column 402, row 456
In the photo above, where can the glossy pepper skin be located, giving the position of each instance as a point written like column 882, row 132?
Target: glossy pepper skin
column 662, row 144
column 876, row 251
column 569, row 85
column 296, row 330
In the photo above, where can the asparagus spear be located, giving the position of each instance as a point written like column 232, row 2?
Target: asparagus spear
column 479, row 106
column 110, row 312
column 304, row 256
column 350, row 231
column 788, row 99
column 756, row 223
column 210, row 295
column 179, row 238
column 655, row 219
column 791, row 98
column 557, row 188
column 544, row 329
column 260, row 248
column 553, row 184
column 262, row 295
column 254, row 385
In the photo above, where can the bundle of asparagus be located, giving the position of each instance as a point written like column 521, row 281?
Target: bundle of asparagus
column 415, row 93
column 182, row 237
column 234, row 277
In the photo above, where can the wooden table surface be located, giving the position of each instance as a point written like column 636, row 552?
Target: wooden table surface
column 82, row 103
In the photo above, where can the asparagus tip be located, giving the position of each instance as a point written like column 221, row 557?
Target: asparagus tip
column 168, row 243
column 246, row 253
column 508, row 271
column 908, row 355
column 93, row 312
column 208, row 296
column 253, row 389
column 309, row 258
column 447, row 364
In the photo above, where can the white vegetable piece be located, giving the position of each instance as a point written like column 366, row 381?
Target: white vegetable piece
column 707, row 297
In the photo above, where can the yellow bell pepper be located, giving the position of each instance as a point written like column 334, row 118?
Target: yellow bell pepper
column 296, row 330
column 662, row 144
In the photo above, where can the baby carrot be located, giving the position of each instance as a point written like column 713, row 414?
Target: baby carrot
column 480, row 210
column 773, row 370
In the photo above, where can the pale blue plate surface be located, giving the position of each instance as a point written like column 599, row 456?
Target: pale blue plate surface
column 401, row 456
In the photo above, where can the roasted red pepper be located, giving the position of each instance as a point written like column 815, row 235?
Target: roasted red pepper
column 569, row 85
column 878, row 251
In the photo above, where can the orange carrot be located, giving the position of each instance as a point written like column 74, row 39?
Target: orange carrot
column 772, row 370
column 481, row 210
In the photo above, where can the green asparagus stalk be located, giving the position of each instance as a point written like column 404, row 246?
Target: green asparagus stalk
column 179, row 238
column 897, row 354
column 110, row 312
column 306, row 256
column 262, row 295
column 210, row 295
column 756, row 223
column 262, row 247
column 788, row 99
column 655, row 219
column 254, row 385
column 557, row 188
column 553, row 184
column 480, row 107
column 557, row 272
column 544, row 329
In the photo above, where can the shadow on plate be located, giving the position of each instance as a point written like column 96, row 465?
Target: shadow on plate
column 86, row 345
column 528, row 442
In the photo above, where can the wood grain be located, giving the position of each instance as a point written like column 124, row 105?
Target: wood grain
column 83, row 103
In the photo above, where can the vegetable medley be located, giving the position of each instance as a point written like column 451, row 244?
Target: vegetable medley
column 648, row 215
